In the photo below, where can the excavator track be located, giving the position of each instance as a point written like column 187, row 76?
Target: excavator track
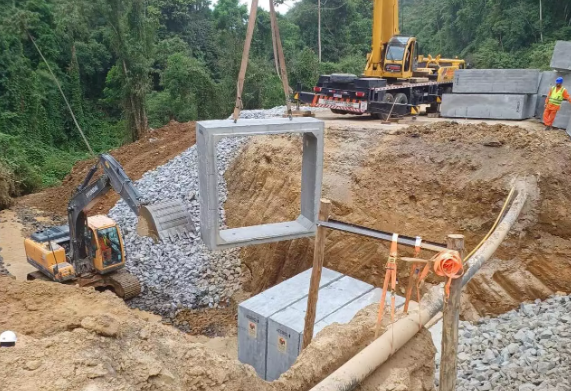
column 125, row 284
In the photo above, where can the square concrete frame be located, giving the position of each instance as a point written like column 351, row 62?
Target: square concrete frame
column 208, row 133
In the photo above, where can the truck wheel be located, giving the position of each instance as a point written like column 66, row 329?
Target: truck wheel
column 335, row 111
column 401, row 98
column 388, row 98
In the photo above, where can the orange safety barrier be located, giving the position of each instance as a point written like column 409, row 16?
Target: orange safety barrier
column 448, row 264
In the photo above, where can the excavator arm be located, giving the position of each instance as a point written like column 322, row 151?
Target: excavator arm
column 163, row 220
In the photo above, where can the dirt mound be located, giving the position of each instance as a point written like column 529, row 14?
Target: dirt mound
column 40, row 309
column 156, row 148
column 71, row 338
column 423, row 180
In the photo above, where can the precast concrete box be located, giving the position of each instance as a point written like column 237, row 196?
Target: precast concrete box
column 496, row 81
column 285, row 328
column 208, row 133
column 486, row 106
column 253, row 315
column 563, row 116
column 561, row 59
column 348, row 312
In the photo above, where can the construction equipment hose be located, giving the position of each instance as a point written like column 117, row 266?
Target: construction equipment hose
column 506, row 203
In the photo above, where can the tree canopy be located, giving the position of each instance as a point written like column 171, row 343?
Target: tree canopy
column 127, row 65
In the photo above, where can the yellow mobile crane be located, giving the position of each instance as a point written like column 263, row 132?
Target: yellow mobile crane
column 397, row 78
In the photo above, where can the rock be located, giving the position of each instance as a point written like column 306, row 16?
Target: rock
column 105, row 325
column 513, row 347
column 95, row 372
column 546, row 334
column 463, row 356
column 489, row 356
column 486, row 386
column 32, row 365
column 526, row 387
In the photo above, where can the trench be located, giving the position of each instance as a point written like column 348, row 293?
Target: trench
column 425, row 180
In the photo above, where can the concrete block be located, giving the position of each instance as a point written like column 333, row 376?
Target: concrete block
column 346, row 313
column 531, row 106
column 496, row 81
column 208, row 133
column 563, row 116
column 253, row 315
column 561, row 59
column 285, row 328
column 485, row 106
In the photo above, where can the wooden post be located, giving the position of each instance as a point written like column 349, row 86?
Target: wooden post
column 318, row 252
column 449, row 351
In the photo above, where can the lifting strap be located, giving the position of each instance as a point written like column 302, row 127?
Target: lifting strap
column 276, row 41
column 390, row 276
column 414, row 277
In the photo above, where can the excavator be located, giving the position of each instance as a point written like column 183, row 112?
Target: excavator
column 396, row 80
column 89, row 251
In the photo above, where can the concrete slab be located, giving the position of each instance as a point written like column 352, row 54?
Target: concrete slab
column 561, row 59
column 563, row 116
column 485, row 106
column 285, row 328
column 253, row 315
column 496, row 81
column 208, row 133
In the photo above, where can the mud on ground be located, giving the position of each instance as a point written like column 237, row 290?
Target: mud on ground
column 156, row 148
column 424, row 180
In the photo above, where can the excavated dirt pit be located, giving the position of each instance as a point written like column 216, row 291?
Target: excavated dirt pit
column 424, row 180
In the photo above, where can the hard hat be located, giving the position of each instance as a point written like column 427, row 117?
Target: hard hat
column 559, row 80
column 8, row 338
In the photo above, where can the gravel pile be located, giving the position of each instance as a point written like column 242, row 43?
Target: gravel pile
column 278, row 111
column 179, row 274
column 524, row 350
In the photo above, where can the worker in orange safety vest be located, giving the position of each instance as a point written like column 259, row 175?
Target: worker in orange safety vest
column 553, row 102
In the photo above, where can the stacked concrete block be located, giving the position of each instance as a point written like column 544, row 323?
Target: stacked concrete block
column 486, row 106
column 496, row 81
column 285, row 328
column 270, row 325
column 509, row 94
column 254, row 313
column 561, row 59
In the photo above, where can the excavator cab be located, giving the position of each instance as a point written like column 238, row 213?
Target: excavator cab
column 104, row 244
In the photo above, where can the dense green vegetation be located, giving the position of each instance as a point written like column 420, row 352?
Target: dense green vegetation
column 126, row 65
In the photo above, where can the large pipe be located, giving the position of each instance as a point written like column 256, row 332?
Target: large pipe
column 358, row 368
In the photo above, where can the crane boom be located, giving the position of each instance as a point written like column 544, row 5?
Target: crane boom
column 385, row 26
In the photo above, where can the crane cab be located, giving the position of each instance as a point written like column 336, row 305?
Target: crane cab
column 399, row 59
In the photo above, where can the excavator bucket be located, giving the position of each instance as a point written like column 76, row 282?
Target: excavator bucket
column 165, row 220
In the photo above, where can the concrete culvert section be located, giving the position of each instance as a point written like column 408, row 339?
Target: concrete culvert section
column 423, row 180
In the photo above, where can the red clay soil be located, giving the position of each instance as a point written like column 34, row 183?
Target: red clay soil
column 156, row 148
